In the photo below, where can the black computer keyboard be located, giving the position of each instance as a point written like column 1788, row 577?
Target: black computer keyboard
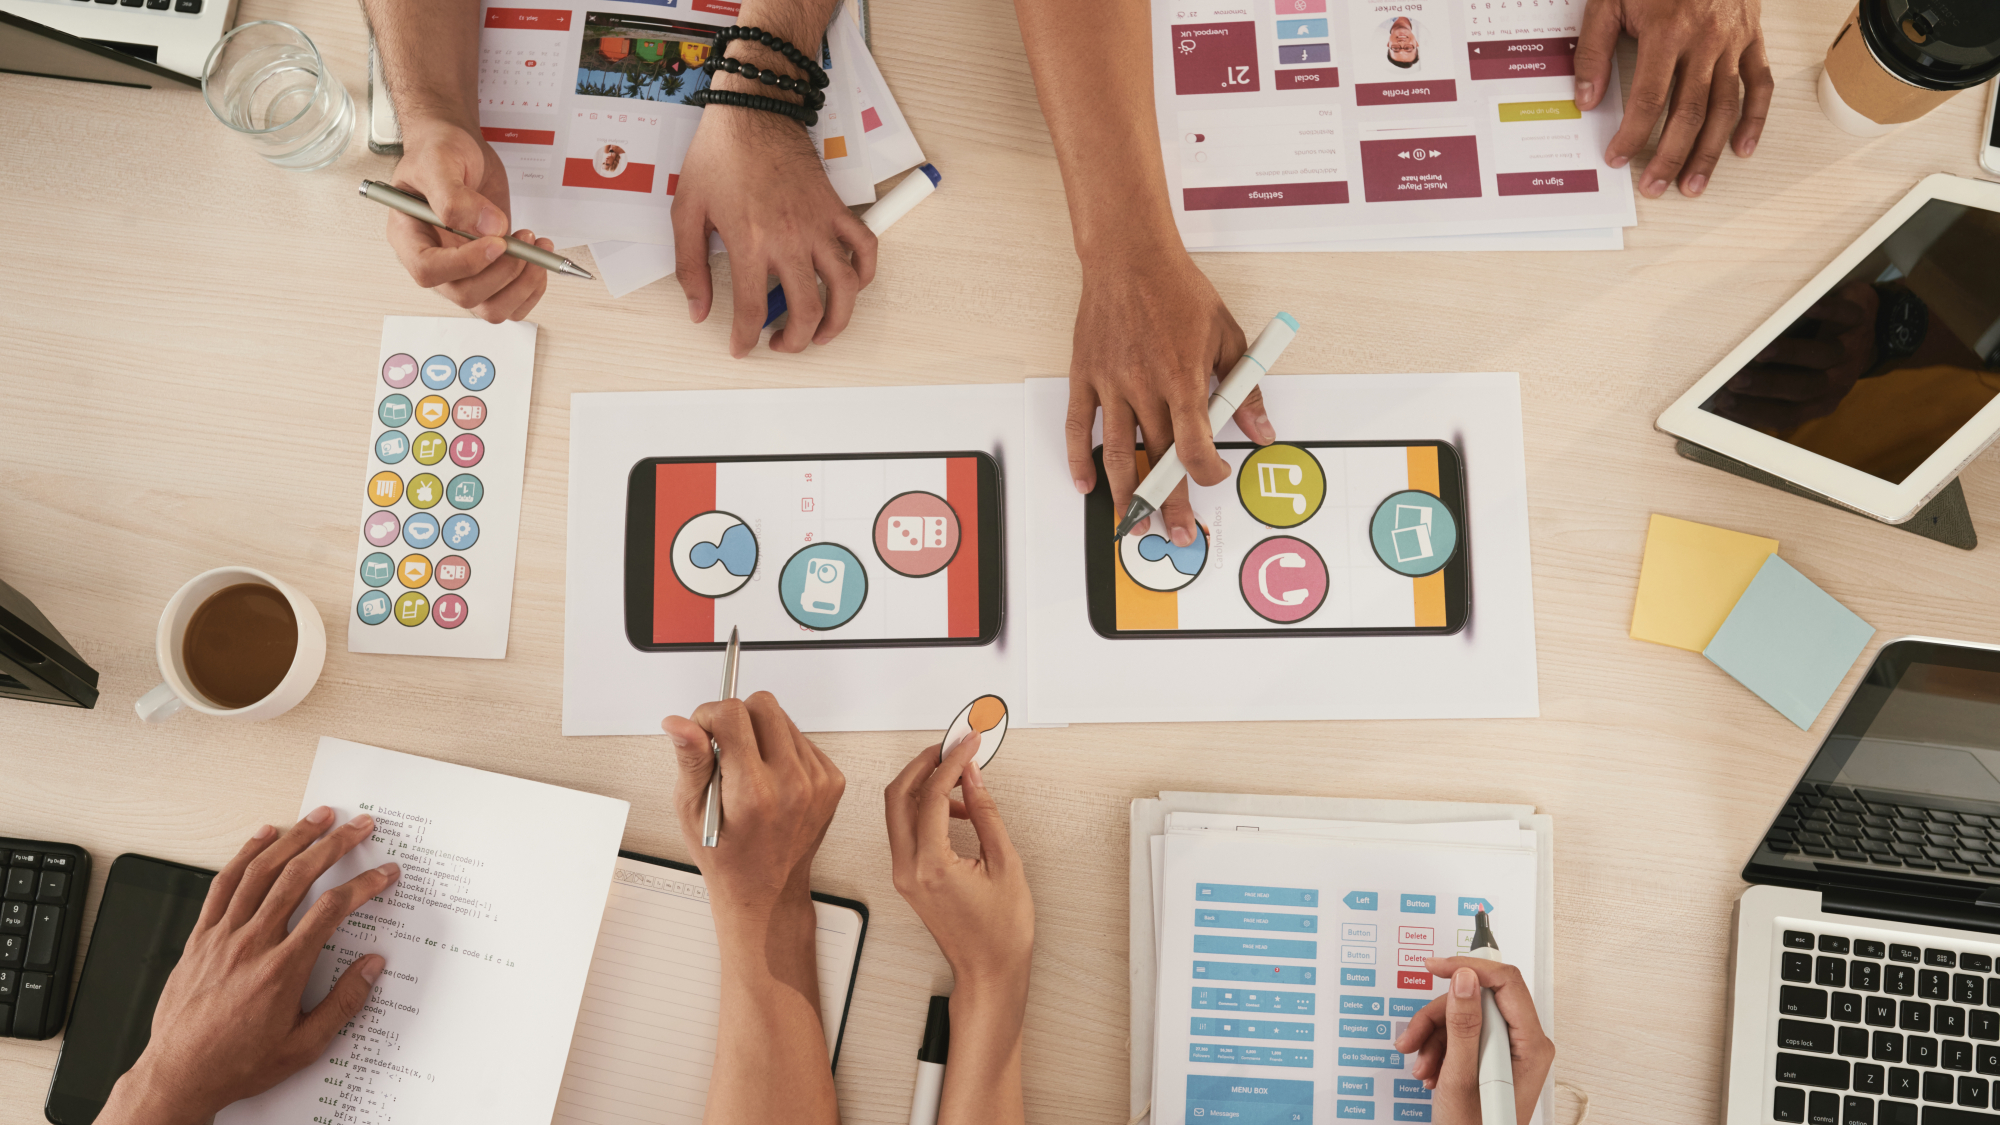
column 41, row 911
column 185, row 7
column 1865, row 826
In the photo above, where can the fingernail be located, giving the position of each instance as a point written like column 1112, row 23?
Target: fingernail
column 319, row 815
column 263, row 833
column 1182, row 536
column 1263, row 423
column 390, row 869
column 1619, row 161
column 1430, row 1084
column 1695, row 184
column 371, row 968
column 362, row 821
column 1082, row 486
column 498, row 248
column 1749, row 147
column 978, row 779
column 679, row 742
column 1464, row 983
column 491, row 221
column 695, row 311
column 1584, row 90
column 1654, row 188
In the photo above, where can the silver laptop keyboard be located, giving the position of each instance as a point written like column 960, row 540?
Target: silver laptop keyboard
column 1872, row 1031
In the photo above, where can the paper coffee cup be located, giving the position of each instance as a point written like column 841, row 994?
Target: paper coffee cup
column 1894, row 61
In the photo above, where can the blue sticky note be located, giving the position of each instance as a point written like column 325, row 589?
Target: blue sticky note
column 1789, row 641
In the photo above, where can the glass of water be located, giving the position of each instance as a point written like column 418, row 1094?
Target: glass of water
column 267, row 81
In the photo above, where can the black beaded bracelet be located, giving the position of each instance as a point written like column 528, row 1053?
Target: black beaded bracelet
column 814, row 99
column 804, row 115
column 816, row 76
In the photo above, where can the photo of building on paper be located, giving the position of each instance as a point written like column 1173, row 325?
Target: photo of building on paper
column 651, row 60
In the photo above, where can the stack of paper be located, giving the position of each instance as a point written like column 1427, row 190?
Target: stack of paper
column 1278, row 945
column 588, row 108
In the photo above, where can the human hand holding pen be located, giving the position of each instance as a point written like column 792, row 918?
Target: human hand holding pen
column 463, row 180
column 1444, row 1036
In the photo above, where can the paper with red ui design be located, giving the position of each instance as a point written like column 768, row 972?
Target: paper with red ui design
column 1315, row 121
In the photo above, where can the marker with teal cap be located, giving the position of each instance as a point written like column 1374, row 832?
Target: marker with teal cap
column 1229, row 395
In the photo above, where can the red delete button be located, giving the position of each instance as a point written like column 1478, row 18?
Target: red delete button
column 1420, row 981
column 1263, row 195
column 1547, row 183
column 1319, row 77
column 1522, row 58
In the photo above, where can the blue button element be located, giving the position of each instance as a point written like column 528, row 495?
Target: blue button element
column 1357, row 1111
column 465, row 491
column 1248, row 1101
column 1255, row 920
column 1411, row 1088
column 1420, row 904
column 1407, row 1112
column 1262, row 896
column 1262, row 974
column 373, row 608
column 1302, row 29
column 1364, row 978
column 1413, row 533
column 1246, row 1055
column 1255, row 947
column 377, row 569
column 1360, row 900
column 394, row 410
column 438, row 372
column 1402, row 1007
column 461, row 531
column 1373, row 1057
column 1243, row 1000
column 1292, row 54
column 1364, row 1029
column 420, row 530
column 1236, row 1027
column 1360, row 1005
column 475, row 374
column 1349, row 1084
column 1470, row 906
column 391, row 447
column 823, row 586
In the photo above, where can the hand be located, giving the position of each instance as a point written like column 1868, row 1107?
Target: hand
column 779, row 793
column 1444, row 1036
column 461, row 177
column 1711, row 54
column 228, row 1025
column 1150, row 330
column 754, row 178
column 978, row 908
column 1807, row 371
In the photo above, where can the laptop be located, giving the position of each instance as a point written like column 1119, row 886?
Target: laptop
column 1864, row 989
column 173, row 36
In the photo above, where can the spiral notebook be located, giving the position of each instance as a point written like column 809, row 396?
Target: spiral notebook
column 645, row 1034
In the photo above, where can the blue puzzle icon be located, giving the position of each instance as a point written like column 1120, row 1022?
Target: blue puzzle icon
column 737, row 552
column 1186, row 559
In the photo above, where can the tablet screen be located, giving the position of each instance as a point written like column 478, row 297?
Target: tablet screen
column 1892, row 361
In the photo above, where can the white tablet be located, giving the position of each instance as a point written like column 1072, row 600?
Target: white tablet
column 1877, row 382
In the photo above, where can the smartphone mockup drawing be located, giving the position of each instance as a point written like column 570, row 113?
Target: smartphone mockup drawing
column 1308, row 538
column 844, row 550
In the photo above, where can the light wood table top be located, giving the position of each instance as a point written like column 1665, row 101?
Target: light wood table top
column 182, row 325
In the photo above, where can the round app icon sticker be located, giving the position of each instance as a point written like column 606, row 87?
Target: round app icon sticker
column 823, row 586
column 381, row 529
column 373, row 608
column 425, row 490
column 1413, row 533
column 1281, row 485
column 413, row 571
column 377, row 567
column 466, row 450
column 1283, row 579
column 449, row 611
column 465, row 491
column 476, row 373
column 460, row 531
column 432, row 411
column 468, row 412
column 412, row 608
column 394, row 410
column 916, row 534
column 420, row 530
column 391, row 447
column 987, row 716
column 399, row 370
column 428, row 447
column 714, row 554
column 1156, row 564
column 385, row 488
column 439, row 371
column 453, row 571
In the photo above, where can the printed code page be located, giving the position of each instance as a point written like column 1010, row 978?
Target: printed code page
column 487, row 936
column 645, row 1037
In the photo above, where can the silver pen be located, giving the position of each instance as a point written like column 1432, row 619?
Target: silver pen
column 421, row 211
column 711, row 813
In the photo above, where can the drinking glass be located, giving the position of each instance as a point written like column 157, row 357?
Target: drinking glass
column 267, row 81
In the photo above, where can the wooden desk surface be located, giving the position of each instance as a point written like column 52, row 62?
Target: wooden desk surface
column 182, row 323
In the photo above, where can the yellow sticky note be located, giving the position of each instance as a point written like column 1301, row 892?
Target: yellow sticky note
column 1690, row 579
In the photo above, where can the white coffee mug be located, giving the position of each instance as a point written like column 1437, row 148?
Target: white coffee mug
column 168, row 698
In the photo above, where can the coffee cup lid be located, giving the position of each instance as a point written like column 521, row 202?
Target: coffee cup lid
column 1935, row 44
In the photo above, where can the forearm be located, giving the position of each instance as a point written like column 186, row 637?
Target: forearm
column 802, row 23
column 1094, row 77
column 770, row 1050
column 982, row 1079
column 430, row 58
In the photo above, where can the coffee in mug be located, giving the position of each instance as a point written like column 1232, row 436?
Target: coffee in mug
column 1895, row 60
column 236, row 643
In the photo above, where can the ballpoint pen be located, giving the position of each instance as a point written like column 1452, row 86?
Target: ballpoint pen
column 1496, row 1054
column 1229, row 394
column 421, row 211
column 711, row 813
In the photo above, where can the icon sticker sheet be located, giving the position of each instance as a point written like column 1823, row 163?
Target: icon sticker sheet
column 441, row 495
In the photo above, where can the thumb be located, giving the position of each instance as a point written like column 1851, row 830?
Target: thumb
column 446, row 183
column 984, row 813
column 1596, row 46
column 1458, row 1078
column 344, row 1001
column 691, row 752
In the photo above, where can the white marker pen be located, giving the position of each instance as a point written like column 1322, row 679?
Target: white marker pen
column 930, row 1063
column 901, row 198
column 1496, row 1055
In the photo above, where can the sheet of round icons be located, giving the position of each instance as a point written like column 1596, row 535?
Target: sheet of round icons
column 441, row 499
